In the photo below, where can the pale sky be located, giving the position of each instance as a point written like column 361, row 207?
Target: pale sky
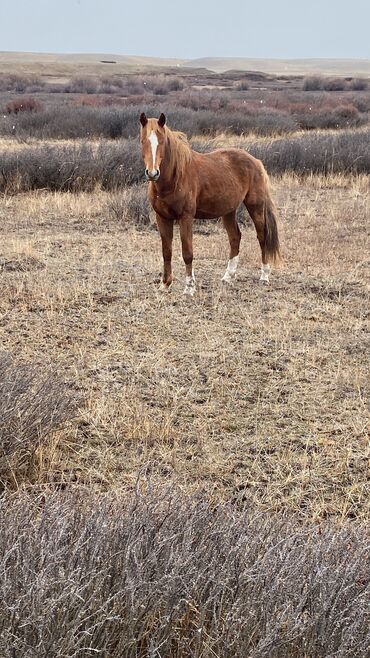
column 190, row 28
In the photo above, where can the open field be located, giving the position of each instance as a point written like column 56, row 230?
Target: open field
column 182, row 477
column 253, row 392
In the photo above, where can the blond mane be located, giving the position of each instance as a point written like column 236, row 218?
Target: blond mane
column 179, row 152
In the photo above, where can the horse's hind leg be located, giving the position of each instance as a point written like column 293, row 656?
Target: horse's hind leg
column 233, row 232
column 256, row 211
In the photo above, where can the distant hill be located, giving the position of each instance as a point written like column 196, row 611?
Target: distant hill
column 54, row 65
column 345, row 67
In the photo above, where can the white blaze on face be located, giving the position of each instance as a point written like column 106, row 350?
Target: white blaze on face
column 154, row 144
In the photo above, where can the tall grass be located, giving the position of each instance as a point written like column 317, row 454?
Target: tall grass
column 112, row 165
column 89, row 121
column 163, row 575
column 33, row 404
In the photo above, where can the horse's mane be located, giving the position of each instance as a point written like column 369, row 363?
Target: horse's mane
column 179, row 152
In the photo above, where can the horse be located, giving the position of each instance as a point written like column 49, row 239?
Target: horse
column 184, row 185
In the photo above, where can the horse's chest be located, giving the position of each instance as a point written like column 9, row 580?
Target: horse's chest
column 168, row 208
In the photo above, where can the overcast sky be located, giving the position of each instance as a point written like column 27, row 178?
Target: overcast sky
column 189, row 28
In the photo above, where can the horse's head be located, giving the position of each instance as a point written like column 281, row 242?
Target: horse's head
column 152, row 137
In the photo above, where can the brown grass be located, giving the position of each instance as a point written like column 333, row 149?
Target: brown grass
column 251, row 392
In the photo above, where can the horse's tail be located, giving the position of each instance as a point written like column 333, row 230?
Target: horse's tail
column 272, row 245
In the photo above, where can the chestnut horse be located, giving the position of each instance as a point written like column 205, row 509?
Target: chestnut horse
column 185, row 185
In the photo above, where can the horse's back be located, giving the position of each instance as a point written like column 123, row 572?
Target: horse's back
column 224, row 178
column 237, row 159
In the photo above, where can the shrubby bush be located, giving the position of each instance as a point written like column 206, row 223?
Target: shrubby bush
column 162, row 574
column 317, row 153
column 91, row 121
column 72, row 168
column 358, row 84
column 21, row 83
column 342, row 116
column 114, row 165
column 33, row 404
column 131, row 208
column 334, row 84
column 312, row 83
column 23, row 104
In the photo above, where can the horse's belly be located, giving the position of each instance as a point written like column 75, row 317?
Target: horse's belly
column 200, row 214
column 213, row 211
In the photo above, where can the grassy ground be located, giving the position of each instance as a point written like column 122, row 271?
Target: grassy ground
column 251, row 392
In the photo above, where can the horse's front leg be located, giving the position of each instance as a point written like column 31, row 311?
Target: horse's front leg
column 165, row 228
column 186, row 233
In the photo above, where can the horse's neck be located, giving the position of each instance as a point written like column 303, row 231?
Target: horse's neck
column 167, row 179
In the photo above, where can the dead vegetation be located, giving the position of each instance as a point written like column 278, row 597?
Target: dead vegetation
column 258, row 393
column 183, row 477
column 163, row 574
column 34, row 404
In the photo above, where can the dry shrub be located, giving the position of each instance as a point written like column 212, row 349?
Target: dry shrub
column 20, row 83
column 115, row 165
column 358, row 84
column 72, row 168
column 312, row 83
column 132, row 207
column 343, row 115
column 334, row 84
column 161, row 574
column 23, row 104
column 318, row 153
column 33, row 405
column 84, row 85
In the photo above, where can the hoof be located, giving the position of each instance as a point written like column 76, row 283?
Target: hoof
column 228, row 278
column 164, row 287
column 189, row 291
column 265, row 274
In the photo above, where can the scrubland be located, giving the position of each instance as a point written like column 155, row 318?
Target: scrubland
column 182, row 477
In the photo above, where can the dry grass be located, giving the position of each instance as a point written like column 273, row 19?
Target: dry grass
column 163, row 575
column 34, row 404
column 258, row 393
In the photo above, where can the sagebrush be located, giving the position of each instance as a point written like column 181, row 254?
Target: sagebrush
column 164, row 575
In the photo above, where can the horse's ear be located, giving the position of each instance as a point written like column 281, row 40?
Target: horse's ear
column 162, row 120
column 143, row 119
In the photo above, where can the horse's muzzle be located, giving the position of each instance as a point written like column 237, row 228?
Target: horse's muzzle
column 152, row 175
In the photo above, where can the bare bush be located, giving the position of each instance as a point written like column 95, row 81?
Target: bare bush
column 164, row 575
column 92, row 121
column 33, row 404
column 25, row 104
column 68, row 122
column 318, row 153
column 21, row 83
column 345, row 115
column 114, row 165
column 243, row 85
column 132, row 207
column 80, row 85
column 72, row 168
column 358, row 84
column 334, row 84
column 312, row 83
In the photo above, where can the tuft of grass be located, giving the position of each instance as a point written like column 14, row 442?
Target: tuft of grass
column 34, row 403
column 131, row 208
